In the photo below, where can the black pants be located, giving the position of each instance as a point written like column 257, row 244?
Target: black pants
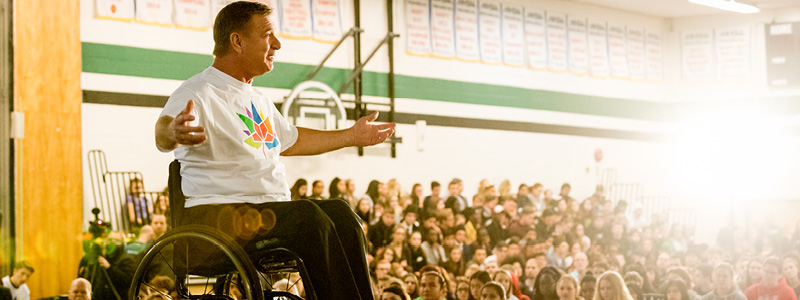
column 326, row 234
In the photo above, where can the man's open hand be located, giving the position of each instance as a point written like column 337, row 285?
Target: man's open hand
column 366, row 133
column 181, row 132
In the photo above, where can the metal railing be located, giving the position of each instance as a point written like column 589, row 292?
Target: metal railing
column 111, row 191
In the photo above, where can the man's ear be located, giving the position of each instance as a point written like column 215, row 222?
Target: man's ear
column 236, row 40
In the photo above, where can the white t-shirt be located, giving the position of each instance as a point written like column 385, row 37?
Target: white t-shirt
column 20, row 293
column 245, row 134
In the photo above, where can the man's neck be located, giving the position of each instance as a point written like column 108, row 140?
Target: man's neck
column 227, row 64
column 14, row 283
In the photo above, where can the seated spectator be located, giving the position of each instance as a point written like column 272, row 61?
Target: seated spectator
column 676, row 289
column 492, row 291
column 560, row 257
column 588, row 285
column 317, row 188
column 337, row 189
column 567, row 288
column 17, row 282
column 299, row 190
column 771, row 285
column 394, row 293
column 462, row 290
column 610, row 286
column 432, row 247
column 80, row 289
column 476, row 283
column 412, row 285
column 112, row 261
column 380, row 234
column 413, row 252
column 139, row 209
column 504, row 278
column 545, row 285
column 159, row 224
column 432, row 286
column 724, row 286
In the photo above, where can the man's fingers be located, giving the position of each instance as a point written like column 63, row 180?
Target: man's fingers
column 382, row 127
column 187, row 129
column 372, row 117
column 182, row 118
column 189, row 107
column 191, row 139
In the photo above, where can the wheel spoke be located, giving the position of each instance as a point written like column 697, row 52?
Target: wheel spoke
column 155, row 289
column 295, row 283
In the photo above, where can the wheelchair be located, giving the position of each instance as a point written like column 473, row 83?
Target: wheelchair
column 205, row 263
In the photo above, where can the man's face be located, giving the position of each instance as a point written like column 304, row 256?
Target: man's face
column 537, row 191
column 416, row 239
column 382, row 269
column 430, row 289
column 531, row 268
column 435, row 191
column 581, row 262
column 159, row 225
column 410, row 218
column 461, row 236
column 452, row 189
column 513, row 250
column 318, row 188
column 771, row 276
column 723, row 280
column 79, row 290
column 388, row 219
column 565, row 191
column 259, row 44
column 20, row 276
column 479, row 256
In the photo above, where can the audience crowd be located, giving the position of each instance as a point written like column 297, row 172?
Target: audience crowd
column 528, row 244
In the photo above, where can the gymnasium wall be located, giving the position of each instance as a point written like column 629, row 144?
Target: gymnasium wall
column 47, row 178
column 484, row 121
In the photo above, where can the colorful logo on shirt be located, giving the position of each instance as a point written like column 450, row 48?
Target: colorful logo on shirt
column 259, row 130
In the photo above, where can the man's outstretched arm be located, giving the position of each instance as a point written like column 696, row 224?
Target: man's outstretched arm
column 363, row 133
column 171, row 132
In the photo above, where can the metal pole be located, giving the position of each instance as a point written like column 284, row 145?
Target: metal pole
column 390, row 50
column 357, row 63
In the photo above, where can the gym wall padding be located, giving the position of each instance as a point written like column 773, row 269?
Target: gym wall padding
column 48, row 178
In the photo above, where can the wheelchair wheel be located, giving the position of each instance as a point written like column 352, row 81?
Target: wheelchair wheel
column 195, row 258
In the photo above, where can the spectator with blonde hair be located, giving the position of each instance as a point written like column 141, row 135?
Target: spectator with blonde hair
column 610, row 286
column 567, row 288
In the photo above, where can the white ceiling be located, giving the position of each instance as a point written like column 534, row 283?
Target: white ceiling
column 682, row 8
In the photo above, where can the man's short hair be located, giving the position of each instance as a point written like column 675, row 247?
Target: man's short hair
column 454, row 181
column 537, row 185
column 23, row 264
column 232, row 18
column 565, row 185
column 435, row 184
column 773, row 261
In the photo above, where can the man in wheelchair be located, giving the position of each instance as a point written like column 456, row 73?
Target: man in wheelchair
column 228, row 136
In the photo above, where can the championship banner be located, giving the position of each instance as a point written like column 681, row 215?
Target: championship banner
column 154, row 12
column 418, row 27
column 733, row 53
column 578, row 46
column 443, row 28
column 118, row 10
column 490, row 35
column 598, row 50
column 513, row 36
column 467, row 30
column 193, row 14
column 636, row 54
column 535, row 39
column 654, row 57
column 556, row 42
column 697, row 55
column 327, row 17
column 618, row 51
column 296, row 19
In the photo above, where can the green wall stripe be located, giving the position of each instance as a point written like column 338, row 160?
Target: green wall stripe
column 150, row 63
